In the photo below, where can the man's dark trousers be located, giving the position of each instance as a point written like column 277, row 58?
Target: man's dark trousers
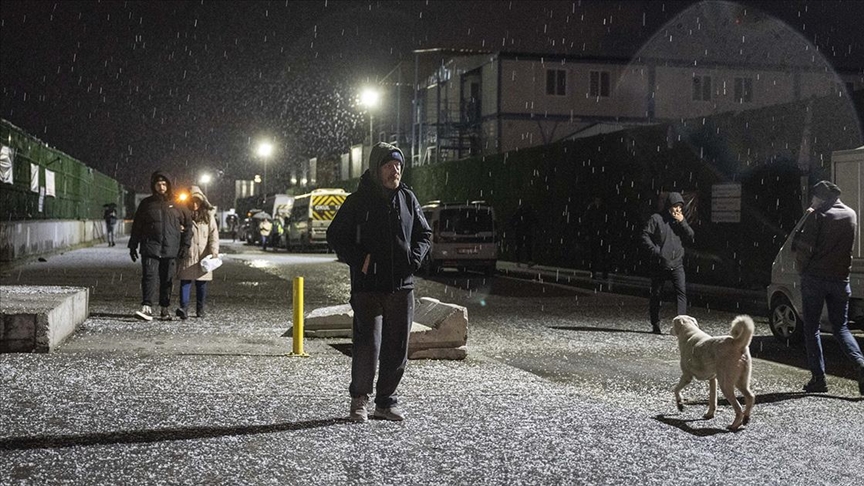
column 660, row 276
column 157, row 273
column 382, row 322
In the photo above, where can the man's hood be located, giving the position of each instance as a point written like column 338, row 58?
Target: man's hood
column 673, row 198
column 381, row 153
column 155, row 176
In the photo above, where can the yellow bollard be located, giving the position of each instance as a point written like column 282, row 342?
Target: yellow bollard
column 298, row 318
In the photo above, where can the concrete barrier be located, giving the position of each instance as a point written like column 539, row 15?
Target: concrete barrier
column 439, row 330
column 21, row 239
column 39, row 318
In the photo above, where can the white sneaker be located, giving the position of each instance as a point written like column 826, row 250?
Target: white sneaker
column 146, row 313
column 359, row 413
column 392, row 413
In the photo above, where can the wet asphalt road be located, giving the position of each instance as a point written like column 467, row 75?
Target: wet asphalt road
column 561, row 386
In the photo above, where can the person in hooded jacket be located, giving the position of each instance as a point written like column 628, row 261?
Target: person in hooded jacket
column 823, row 256
column 162, row 229
column 663, row 236
column 205, row 241
column 381, row 233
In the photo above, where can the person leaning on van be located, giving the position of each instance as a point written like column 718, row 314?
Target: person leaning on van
column 823, row 254
column 381, row 233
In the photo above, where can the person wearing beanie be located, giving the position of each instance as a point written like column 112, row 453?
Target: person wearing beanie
column 823, row 256
column 381, row 233
column 161, row 229
column 663, row 236
column 205, row 241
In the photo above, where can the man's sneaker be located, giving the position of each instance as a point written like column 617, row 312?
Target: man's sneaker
column 165, row 315
column 181, row 313
column 655, row 329
column 146, row 313
column 359, row 413
column 816, row 386
column 391, row 413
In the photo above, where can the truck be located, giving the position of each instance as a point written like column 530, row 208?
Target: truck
column 784, row 292
column 311, row 214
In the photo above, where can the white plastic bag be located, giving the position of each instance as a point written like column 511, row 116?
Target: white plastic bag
column 208, row 263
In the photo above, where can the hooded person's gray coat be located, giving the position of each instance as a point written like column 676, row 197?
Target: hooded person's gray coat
column 663, row 236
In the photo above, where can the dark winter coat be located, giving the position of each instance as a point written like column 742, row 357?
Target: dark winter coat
column 389, row 226
column 823, row 244
column 161, row 226
column 663, row 236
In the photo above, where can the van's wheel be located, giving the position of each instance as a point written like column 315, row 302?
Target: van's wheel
column 785, row 323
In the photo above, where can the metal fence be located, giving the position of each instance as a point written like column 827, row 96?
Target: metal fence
column 79, row 192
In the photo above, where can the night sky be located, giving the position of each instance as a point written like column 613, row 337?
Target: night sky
column 129, row 87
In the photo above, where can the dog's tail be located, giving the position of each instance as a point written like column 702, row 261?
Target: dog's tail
column 742, row 330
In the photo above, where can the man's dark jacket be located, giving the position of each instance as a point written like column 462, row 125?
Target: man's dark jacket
column 389, row 226
column 823, row 244
column 161, row 226
column 663, row 236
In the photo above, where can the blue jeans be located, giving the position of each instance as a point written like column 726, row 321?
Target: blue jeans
column 816, row 292
column 679, row 282
column 264, row 241
column 200, row 293
column 382, row 323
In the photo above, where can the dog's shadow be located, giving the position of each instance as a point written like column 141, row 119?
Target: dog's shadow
column 686, row 427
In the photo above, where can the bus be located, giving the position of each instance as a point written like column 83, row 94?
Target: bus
column 306, row 228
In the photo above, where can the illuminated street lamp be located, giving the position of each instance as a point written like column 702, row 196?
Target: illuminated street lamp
column 204, row 180
column 369, row 98
column 265, row 150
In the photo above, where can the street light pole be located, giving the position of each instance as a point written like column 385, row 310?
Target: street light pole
column 264, row 151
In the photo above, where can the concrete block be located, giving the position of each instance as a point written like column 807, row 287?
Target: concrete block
column 40, row 318
column 439, row 330
column 448, row 325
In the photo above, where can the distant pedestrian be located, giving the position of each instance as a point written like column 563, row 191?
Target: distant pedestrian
column 205, row 241
column 163, row 231
column 663, row 236
column 233, row 223
column 264, row 230
column 823, row 254
column 596, row 231
column 110, row 216
column 380, row 232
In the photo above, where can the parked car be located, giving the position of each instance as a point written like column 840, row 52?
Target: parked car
column 464, row 236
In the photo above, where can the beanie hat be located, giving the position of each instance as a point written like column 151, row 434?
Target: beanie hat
column 826, row 190
column 392, row 155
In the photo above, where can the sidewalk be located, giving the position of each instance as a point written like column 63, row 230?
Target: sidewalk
column 561, row 397
column 699, row 295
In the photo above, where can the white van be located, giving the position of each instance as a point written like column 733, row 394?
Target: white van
column 784, row 292
column 463, row 236
column 311, row 215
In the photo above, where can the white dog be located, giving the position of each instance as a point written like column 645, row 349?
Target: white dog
column 724, row 358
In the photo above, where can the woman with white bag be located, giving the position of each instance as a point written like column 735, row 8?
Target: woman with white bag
column 205, row 243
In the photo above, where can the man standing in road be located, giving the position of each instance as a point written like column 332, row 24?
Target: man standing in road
column 163, row 230
column 663, row 237
column 823, row 254
column 381, row 233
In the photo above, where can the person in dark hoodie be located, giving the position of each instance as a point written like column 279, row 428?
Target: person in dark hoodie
column 163, row 231
column 823, row 255
column 381, row 233
column 663, row 236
